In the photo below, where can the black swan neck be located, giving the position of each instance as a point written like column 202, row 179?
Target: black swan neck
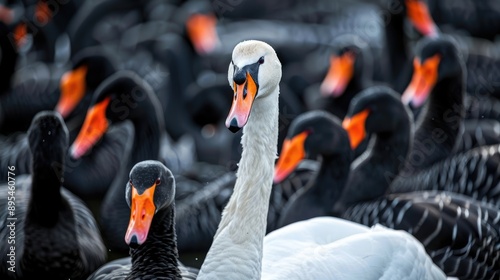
column 146, row 116
column 440, row 125
column 158, row 256
column 46, row 200
column 375, row 170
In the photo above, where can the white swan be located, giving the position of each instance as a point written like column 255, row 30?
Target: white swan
column 236, row 253
column 334, row 248
column 305, row 250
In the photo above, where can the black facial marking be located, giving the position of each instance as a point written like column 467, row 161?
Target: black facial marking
column 240, row 74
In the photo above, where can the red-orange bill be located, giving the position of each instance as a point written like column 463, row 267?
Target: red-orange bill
column 202, row 32
column 141, row 215
column 339, row 75
column 241, row 107
column 93, row 128
column 355, row 127
column 421, row 18
column 424, row 79
column 292, row 153
column 72, row 88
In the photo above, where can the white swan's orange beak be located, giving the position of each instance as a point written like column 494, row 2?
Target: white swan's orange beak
column 421, row 18
column 355, row 127
column 292, row 153
column 339, row 74
column 202, row 32
column 244, row 95
column 141, row 215
column 424, row 78
column 72, row 90
column 93, row 128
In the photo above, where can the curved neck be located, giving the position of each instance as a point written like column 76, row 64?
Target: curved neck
column 146, row 116
column 373, row 172
column 239, row 238
column 363, row 71
column 174, row 57
column 332, row 176
column 114, row 223
column 439, row 126
column 322, row 191
column 158, row 256
column 341, row 103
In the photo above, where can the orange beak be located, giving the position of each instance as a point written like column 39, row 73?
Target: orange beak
column 93, row 128
column 424, row 78
column 72, row 90
column 201, row 30
column 141, row 215
column 355, row 127
column 43, row 14
column 421, row 18
column 339, row 75
column 241, row 107
column 20, row 34
column 292, row 153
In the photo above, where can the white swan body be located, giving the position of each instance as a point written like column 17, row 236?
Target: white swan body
column 333, row 248
column 305, row 250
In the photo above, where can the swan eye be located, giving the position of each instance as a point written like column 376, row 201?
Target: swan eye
column 130, row 181
column 158, row 182
column 261, row 60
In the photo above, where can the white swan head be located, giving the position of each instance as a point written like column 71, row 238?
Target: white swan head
column 254, row 72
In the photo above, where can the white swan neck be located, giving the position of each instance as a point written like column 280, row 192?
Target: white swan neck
column 236, row 252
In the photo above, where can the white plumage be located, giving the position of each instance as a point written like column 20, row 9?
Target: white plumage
column 333, row 248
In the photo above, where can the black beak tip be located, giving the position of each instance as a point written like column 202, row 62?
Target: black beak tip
column 234, row 129
column 233, row 126
column 134, row 244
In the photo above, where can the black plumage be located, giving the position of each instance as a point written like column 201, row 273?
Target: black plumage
column 128, row 98
column 157, row 256
column 329, row 144
column 56, row 235
column 460, row 234
column 435, row 218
